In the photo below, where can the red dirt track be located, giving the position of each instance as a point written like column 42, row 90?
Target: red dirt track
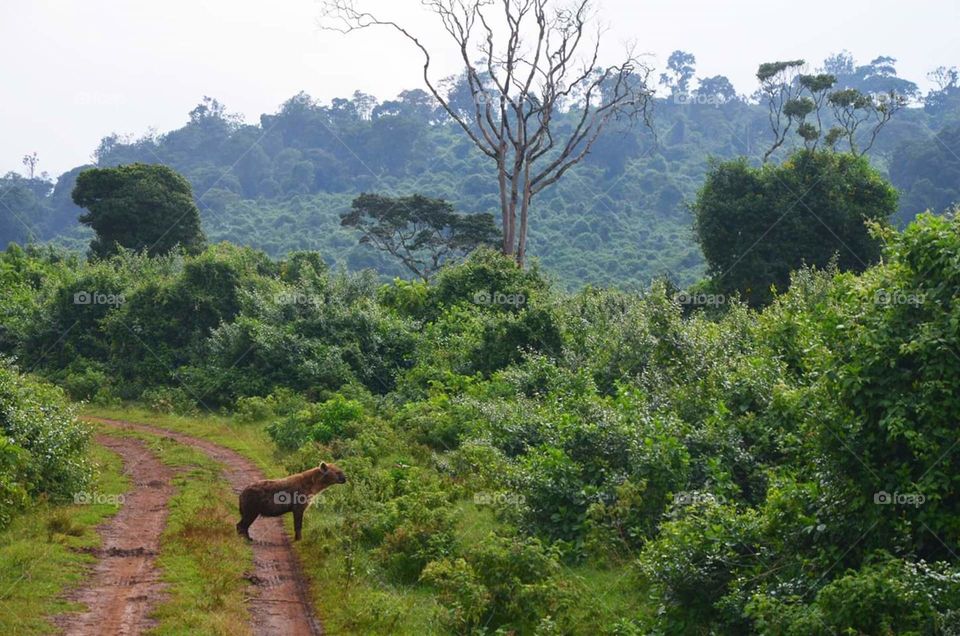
column 124, row 585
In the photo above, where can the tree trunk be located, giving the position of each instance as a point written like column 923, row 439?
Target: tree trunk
column 524, row 209
column 504, row 205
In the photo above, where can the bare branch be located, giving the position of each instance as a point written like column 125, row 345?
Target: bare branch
column 541, row 64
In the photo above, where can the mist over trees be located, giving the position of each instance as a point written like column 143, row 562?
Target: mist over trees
column 621, row 214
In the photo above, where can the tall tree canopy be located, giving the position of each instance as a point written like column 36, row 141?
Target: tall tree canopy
column 138, row 207
column 756, row 225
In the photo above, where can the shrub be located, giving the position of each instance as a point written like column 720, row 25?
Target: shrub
column 35, row 417
column 889, row 596
column 334, row 418
column 506, row 584
column 163, row 399
column 13, row 493
column 281, row 402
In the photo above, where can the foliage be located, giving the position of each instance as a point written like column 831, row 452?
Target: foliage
column 422, row 233
column 779, row 470
column 43, row 451
column 336, row 417
column 282, row 182
column 757, row 225
column 138, row 207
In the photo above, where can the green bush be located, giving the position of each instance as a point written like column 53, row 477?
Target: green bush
column 47, row 445
column 281, row 402
column 337, row 417
column 13, row 492
column 890, row 596
column 506, row 584
column 163, row 399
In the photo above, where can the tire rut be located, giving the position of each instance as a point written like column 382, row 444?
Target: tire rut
column 124, row 584
column 279, row 597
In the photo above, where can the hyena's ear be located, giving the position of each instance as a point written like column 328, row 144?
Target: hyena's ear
column 323, row 466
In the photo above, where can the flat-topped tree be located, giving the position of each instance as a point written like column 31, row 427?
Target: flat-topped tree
column 536, row 59
column 797, row 99
column 422, row 233
column 139, row 207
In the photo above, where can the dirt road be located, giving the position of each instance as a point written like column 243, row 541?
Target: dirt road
column 279, row 599
column 124, row 585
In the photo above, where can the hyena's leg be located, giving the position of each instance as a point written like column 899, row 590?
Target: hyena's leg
column 247, row 517
column 297, row 521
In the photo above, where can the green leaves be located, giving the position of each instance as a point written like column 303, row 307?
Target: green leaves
column 422, row 233
column 138, row 207
column 757, row 225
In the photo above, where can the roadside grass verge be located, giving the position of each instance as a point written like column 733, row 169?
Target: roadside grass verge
column 201, row 560
column 45, row 552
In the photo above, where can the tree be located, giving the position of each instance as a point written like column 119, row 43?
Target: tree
column 851, row 109
column 945, row 78
column 138, row 207
column 535, row 59
column 779, row 88
column 31, row 161
column 947, row 89
column 793, row 96
column 680, row 70
column 422, row 233
column 928, row 174
column 716, row 90
column 879, row 77
column 756, row 225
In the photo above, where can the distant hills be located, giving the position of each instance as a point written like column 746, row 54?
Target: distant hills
column 280, row 184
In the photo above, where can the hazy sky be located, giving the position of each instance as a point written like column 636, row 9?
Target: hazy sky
column 76, row 70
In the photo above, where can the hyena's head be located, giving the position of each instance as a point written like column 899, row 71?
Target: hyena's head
column 326, row 475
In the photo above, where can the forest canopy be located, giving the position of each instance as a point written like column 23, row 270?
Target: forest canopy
column 282, row 184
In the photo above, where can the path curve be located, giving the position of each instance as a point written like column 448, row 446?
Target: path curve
column 125, row 585
column 279, row 598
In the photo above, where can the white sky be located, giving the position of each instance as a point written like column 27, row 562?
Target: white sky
column 76, row 70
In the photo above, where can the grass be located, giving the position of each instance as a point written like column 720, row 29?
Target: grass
column 347, row 599
column 350, row 595
column 45, row 552
column 201, row 559
column 353, row 599
column 250, row 440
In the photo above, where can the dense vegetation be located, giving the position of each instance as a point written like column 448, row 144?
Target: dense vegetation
column 42, row 446
column 621, row 217
column 757, row 225
column 789, row 470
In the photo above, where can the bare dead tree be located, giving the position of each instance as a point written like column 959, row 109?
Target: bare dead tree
column 535, row 60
